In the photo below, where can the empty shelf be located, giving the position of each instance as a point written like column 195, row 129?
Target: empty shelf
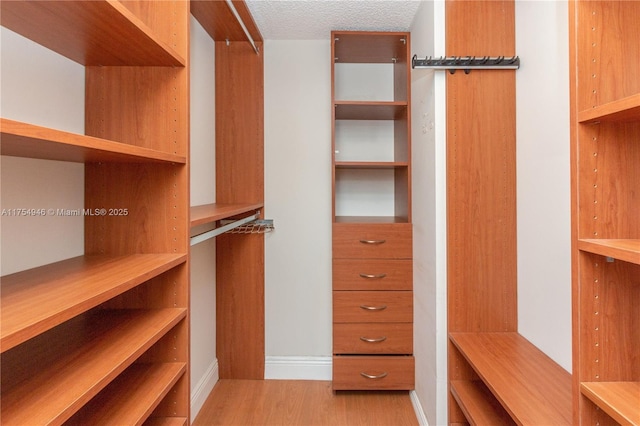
column 620, row 400
column 626, row 250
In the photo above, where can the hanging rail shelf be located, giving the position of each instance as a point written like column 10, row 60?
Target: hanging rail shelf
column 466, row 63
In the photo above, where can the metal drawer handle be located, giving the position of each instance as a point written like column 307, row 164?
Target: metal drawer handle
column 376, row 340
column 373, row 308
column 373, row 241
column 370, row 376
column 373, row 275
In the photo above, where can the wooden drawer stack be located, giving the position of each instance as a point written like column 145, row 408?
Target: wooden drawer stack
column 372, row 306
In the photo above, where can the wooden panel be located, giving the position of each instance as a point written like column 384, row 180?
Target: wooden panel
column 218, row 20
column 373, row 338
column 240, row 179
column 625, row 109
column 372, row 306
column 41, row 298
column 35, row 387
column 608, row 52
column 96, row 32
column 372, row 241
column 626, row 250
column 370, row 110
column 372, row 274
column 208, row 213
column 240, row 306
column 395, row 372
column 529, row 385
column 31, row 141
column 369, row 47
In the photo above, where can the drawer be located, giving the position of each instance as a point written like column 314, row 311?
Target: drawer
column 373, row 372
column 372, row 274
column 373, row 338
column 372, row 306
column 372, row 240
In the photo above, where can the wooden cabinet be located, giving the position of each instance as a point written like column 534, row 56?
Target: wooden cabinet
column 105, row 335
column 372, row 231
column 605, row 119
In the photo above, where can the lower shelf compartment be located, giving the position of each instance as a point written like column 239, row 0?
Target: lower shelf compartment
column 373, row 372
column 47, row 380
column 478, row 404
column 132, row 397
column 620, row 400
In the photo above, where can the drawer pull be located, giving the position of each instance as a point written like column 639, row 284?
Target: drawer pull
column 373, row 275
column 373, row 308
column 377, row 376
column 373, row 241
column 376, row 340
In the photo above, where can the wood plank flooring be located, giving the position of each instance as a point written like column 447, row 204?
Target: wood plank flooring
column 302, row 403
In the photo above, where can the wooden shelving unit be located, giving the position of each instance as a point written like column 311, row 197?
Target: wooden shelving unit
column 209, row 213
column 372, row 251
column 605, row 119
column 99, row 329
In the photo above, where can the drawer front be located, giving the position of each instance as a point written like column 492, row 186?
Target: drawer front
column 373, row 372
column 372, row 274
column 373, row 338
column 372, row 306
column 372, row 241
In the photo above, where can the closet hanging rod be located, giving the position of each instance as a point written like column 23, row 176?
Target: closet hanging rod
column 196, row 239
column 244, row 28
column 466, row 63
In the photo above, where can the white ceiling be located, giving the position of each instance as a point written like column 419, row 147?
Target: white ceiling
column 314, row 19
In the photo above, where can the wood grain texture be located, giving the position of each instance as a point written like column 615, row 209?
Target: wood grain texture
column 478, row 403
column 372, row 306
column 217, row 19
column 389, row 372
column 73, row 368
column 200, row 215
column 373, row 338
column 620, row 400
column 388, row 241
column 302, row 402
column 372, row 274
column 370, row 46
column 626, row 250
column 100, row 33
column 529, row 385
column 370, row 110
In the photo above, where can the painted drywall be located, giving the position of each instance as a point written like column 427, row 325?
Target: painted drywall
column 204, row 364
column 298, row 198
column 543, row 178
column 40, row 87
column 429, row 216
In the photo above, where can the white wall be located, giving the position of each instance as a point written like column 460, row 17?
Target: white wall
column 298, row 199
column 40, row 87
column 543, row 177
column 429, row 216
column 204, row 364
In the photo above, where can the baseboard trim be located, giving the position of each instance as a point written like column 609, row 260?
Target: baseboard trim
column 204, row 387
column 298, row 368
column 417, row 408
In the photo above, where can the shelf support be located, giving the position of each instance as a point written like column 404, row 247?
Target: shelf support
column 196, row 239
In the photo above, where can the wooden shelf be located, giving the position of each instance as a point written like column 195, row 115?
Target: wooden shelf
column 620, row 400
column 370, row 219
column 37, row 300
column 530, row 386
column 371, row 164
column 626, row 109
column 113, row 340
column 31, row 141
column 166, row 421
column 478, row 403
column 132, row 397
column 369, row 110
column 626, row 250
column 209, row 213
column 220, row 23
column 96, row 33
column 368, row 47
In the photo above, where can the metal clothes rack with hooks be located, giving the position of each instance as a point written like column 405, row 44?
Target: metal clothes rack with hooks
column 248, row 225
column 466, row 63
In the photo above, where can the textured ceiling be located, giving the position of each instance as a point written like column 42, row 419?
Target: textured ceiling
column 314, row 19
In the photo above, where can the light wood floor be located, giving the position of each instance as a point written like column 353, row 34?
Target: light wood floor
column 303, row 403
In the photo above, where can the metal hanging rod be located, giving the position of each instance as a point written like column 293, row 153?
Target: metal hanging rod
column 466, row 63
column 247, row 225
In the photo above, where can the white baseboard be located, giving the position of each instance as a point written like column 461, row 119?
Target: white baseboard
column 417, row 408
column 204, row 387
column 298, row 368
